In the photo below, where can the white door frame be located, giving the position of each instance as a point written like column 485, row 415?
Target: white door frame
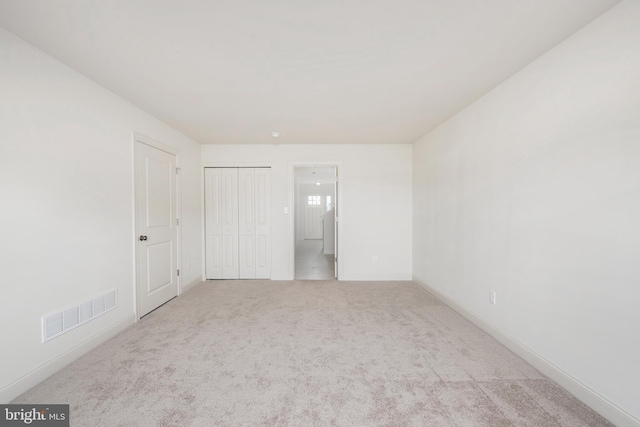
column 339, row 210
column 139, row 138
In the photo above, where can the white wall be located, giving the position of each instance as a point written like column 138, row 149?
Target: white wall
column 374, row 203
column 534, row 192
column 66, row 221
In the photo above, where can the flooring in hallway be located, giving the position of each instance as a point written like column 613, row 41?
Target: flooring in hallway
column 311, row 262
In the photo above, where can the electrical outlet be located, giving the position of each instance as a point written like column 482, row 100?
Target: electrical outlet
column 375, row 258
column 492, row 297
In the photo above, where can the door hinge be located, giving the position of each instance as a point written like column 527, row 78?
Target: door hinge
column 177, row 221
column 178, row 272
column 177, row 171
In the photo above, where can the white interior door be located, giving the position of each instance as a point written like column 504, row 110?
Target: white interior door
column 312, row 211
column 221, row 223
column 247, row 224
column 263, row 222
column 213, row 223
column 157, row 240
column 254, row 223
column 229, row 223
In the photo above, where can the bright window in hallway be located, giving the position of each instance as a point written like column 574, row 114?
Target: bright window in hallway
column 313, row 200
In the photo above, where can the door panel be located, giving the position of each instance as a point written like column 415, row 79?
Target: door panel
column 213, row 223
column 160, row 256
column 159, row 199
column 156, row 209
column 221, row 223
column 263, row 223
column 247, row 226
column 262, row 250
column 229, row 255
column 230, row 223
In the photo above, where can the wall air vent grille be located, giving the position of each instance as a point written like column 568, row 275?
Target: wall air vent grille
column 86, row 311
column 110, row 300
column 98, row 305
column 71, row 317
column 56, row 324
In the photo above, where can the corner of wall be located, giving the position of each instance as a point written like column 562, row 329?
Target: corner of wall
column 190, row 284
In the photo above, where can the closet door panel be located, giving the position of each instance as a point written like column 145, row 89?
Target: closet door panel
column 262, row 197
column 213, row 223
column 247, row 223
column 229, row 223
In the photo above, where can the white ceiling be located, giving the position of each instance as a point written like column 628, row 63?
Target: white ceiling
column 317, row 71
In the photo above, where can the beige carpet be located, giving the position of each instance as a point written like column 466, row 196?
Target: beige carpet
column 307, row 354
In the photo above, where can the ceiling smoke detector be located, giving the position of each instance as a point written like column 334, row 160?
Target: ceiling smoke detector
column 275, row 134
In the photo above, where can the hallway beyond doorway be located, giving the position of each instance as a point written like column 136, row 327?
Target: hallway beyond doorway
column 311, row 262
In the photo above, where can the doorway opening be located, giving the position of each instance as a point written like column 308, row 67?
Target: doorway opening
column 315, row 219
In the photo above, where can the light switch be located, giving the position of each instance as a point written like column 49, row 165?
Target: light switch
column 286, row 210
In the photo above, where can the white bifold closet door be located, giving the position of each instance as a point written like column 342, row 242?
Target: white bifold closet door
column 254, row 223
column 221, row 206
column 238, row 223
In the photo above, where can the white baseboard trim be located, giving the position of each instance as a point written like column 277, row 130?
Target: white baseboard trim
column 588, row 396
column 35, row 377
column 188, row 285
